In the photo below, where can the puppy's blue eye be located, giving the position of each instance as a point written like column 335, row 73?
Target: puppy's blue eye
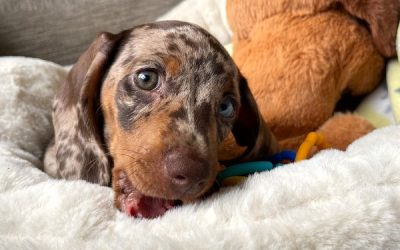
column 226, row 108
column 146, row 79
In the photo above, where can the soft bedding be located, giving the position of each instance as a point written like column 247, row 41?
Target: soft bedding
column 345, row 200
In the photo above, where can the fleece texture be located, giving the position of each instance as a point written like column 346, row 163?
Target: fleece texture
column 345, row 200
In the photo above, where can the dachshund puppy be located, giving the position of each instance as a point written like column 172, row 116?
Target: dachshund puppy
column 147, row 111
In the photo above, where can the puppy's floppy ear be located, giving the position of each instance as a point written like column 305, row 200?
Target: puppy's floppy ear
column 382, row 17
column 250, row 129
column 77, row 118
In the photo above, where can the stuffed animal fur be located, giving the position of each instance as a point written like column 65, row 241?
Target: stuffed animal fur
column 301, row 56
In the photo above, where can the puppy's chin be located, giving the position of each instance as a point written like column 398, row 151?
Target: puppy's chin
column 135, row 203
column 138, row 205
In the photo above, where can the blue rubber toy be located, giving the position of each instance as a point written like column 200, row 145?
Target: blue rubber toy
column 247, row 168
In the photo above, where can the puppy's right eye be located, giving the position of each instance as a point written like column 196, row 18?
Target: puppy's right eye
column 227, row 108
column 146, row 79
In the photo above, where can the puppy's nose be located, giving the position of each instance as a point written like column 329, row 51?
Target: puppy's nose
column 187, row 173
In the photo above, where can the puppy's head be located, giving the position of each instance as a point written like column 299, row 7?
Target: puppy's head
column 159, row 100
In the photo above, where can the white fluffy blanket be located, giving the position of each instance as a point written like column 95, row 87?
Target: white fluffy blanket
column 335, row 200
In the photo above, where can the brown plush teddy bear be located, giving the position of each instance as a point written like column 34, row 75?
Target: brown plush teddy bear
column 301, row 56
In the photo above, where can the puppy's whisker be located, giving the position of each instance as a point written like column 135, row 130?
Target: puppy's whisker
column 132, row 150
column 90, row 165
column 139, row 160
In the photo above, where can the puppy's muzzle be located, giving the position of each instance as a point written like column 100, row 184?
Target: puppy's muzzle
column 186, row 173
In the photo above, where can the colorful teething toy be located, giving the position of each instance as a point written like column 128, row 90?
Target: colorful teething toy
column 235, row 174
column 313, row 139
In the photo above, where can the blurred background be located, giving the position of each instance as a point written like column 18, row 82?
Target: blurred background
column 60, row 30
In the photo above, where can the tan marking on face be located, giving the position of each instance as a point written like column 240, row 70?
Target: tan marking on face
column 172, row 65
column 138, row 153
column 229, row 149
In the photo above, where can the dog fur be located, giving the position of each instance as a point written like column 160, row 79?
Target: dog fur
column 161, row 143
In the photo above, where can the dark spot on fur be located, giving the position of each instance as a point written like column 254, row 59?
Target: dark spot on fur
column 172, row 126
column 217, row 68
column 196, row 78
column 171, row 36
column 61, row 166
column 62, row 136
column 173, row 47
column 189, row 42
column 77, row 137
column 146, row 114
column 181, row 114
column 79, row 157
column 64, row 152
column 212, row 58
column 199, row 62
column 206, row 77
column 173, row 86
column 167, row 102
column 127, row 85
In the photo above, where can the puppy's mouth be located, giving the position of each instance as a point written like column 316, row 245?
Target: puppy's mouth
column 139, row 205
column 134, row 203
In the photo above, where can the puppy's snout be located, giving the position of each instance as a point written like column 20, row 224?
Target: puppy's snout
column 187, row 173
